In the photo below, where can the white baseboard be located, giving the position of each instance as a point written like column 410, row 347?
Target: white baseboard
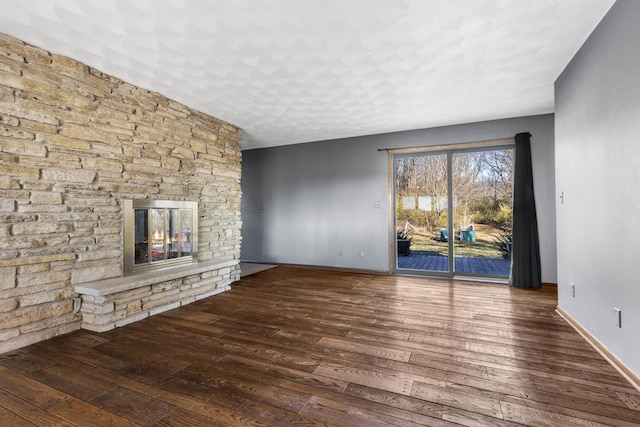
column 617, row 364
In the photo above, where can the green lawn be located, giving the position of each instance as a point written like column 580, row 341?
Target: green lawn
column 487, row 245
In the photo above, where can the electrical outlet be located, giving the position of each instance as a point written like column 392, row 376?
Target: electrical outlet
column 361, row 254
column 573, row 290
column 341, row 252
column 377, row 204
column 618, row 318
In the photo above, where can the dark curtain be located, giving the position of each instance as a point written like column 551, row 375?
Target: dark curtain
column 525, row 255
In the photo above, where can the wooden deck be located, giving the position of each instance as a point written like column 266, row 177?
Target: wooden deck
column 481, row 266
column 294, row 347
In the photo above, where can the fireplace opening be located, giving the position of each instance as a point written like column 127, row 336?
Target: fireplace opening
column 159, row 234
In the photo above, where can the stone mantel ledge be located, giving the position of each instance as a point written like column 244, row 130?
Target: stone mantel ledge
column 123, row 284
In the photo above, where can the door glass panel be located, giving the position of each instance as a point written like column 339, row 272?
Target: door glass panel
column 483, row 190
column 421, row 201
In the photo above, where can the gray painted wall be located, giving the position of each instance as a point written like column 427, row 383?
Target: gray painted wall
column 598, row 169
column 303, row 204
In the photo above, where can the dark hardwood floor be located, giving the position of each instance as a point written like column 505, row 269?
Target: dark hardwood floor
column 304, row 347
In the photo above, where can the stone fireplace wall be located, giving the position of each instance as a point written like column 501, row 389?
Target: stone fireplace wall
column 75, row 142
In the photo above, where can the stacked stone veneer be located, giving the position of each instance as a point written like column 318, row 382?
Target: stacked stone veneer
column 75, row 142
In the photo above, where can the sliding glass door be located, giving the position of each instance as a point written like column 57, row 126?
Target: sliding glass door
column 453, row 212
column 422, row 212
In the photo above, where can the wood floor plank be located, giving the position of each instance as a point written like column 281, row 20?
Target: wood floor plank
column 224, row 402
column 502, row 390
column 251, row 387
column 539, row 417
column 582, row 415
column 8, row 418
column 302, row 380
column 86, row 387
column 276, row 417
column 135, row 407
column 376, row 378
column 17, row 411
column 631, row 400
column 341, row 414
column 423, row 412
column 473, row 402
column 52, row 405
column 372, row 350
column 334, row 394
column 309, row 347
column 182, row 418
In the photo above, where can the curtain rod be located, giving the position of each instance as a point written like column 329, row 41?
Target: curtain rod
column 472, row 144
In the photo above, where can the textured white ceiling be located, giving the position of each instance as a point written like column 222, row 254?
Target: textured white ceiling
column 291, row 71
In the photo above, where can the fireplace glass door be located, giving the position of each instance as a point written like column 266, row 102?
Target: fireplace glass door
column 159, row 234
column 141, row 231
